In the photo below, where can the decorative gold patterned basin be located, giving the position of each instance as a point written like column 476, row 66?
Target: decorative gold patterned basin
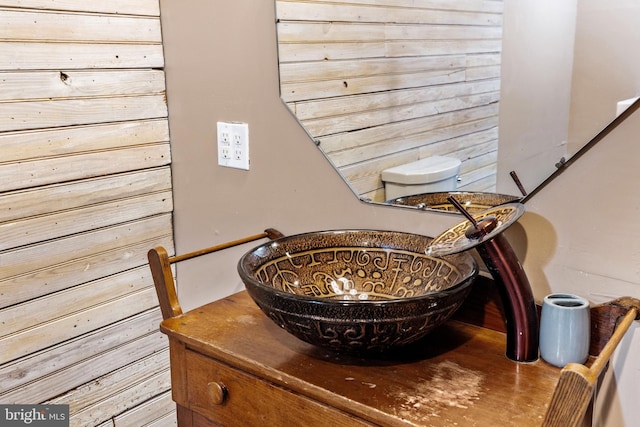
column 473, row 202
column 356, row 290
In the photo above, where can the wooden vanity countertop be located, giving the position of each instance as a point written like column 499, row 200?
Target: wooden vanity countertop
column 458, row 376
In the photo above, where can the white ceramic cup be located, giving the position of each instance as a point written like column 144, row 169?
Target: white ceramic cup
column 565, row 329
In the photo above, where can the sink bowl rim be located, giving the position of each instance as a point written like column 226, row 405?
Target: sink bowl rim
column 465, row 280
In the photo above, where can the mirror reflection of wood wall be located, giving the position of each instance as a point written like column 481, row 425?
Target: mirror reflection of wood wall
column 383, row 83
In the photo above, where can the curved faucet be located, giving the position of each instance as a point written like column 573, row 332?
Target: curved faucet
column 485, row 234
column 521, row 314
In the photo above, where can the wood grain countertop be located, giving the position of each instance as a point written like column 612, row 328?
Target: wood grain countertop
column 458, row 376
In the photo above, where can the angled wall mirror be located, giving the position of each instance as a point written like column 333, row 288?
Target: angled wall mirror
column 502, row 86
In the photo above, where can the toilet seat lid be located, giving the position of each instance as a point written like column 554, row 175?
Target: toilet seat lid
column 423, row 171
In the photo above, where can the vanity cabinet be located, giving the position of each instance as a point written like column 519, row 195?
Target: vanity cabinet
column 227, row 396
column 232, row 366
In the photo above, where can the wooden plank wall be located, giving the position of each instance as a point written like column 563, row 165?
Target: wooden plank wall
column 85, row 191
column 378, row 83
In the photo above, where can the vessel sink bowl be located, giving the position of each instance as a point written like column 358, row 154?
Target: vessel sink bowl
column 474, row 202
column 356, row 291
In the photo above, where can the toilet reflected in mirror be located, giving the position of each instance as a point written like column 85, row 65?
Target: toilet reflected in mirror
column 427, row 175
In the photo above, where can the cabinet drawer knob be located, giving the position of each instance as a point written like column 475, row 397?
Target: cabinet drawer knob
column 218, row 392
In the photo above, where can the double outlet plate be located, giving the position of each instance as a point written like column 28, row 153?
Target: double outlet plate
column 233, row 145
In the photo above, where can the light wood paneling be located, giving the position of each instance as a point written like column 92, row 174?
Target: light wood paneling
column 69, row 112
column 161, row 404
column 66, row 56
column 124, row 388
column 62, row 263
column 378, row 83
column 53, row 26
column 110, row 7
column 99, row 352
column 85, row 192
column 60, row 224
column 54, row 198
column 47, row 143
column 53, row 85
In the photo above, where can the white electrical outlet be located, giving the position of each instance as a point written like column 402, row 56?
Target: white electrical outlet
column 233, row 145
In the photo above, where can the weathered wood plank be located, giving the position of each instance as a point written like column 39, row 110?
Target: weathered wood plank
column 73, row 56
column 477, row 177
column 53, row 198
column 467, row 147
column 123, row 399
column 298, row 72
column 332, row 32
column 479, row 118
column 312, row 31
column 468, row 5
column 381, row 49
column 379, row 149
column 67, row 112
column 442, row 47
column 39, row 311
column 481, row 73
column 472, row 165
column 442, row 32
column 369, row 185
column 44, row 143
column 59, row 329
column 305, row 52
column 483, row 59
column 463, row 147
column 73, row 352
column 486, row 184
column 359, row 85
column 47, row 385
column 55, row 225
column 36, row 283
column 307, row 11
column 118, row 391
column 44, row 259
column 382, row 148
column 155, row 409
column 14, row 176
column 306, row 110
column 378, row 117
column 168, row 420
column 50, row 85
column 122, row 7
column 54, row 26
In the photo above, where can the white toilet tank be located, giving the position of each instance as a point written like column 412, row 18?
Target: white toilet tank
column 428, row 175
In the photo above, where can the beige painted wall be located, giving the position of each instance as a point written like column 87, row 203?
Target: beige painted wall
column 535, row 90
column 221, row 65
column 582, row 235
column 615, row 67
column 561, row 80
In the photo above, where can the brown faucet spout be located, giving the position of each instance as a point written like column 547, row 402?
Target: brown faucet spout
column 521, row 315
